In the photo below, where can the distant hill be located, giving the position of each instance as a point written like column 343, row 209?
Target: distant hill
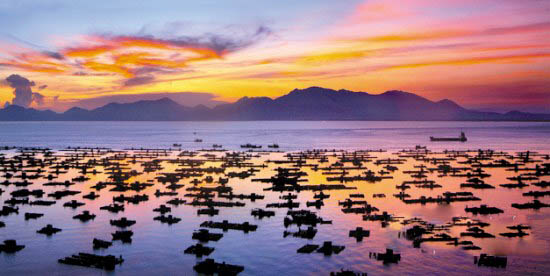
column 314, row 103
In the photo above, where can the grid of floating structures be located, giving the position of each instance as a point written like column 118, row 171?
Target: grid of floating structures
column 208, row 189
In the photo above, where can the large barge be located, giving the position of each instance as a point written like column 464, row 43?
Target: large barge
column 461, row 138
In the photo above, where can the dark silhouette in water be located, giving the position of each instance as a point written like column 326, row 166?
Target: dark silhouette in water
column 290, row 183
column 461, row 138
column 10, row 246
column 90, row 260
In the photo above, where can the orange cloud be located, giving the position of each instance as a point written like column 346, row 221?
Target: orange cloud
column 89, row 51
column 104, row 67
column 125, row 55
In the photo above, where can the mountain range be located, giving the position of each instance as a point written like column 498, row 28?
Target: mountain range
column 314, row 103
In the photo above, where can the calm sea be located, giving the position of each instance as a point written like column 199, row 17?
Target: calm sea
column 158, row 248
column 290, row 135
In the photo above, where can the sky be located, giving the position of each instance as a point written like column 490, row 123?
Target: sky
column 483, row 54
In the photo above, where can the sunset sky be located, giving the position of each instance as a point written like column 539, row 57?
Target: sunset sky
column 483, row 54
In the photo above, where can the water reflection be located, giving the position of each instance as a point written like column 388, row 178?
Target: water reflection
column 158, row 246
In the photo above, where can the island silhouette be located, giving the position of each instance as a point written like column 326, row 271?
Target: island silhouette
column 313, row 103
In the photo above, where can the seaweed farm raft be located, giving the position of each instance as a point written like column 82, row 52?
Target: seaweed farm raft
column 263, row 211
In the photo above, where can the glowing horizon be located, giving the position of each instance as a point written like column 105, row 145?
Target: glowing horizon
column 483, row 54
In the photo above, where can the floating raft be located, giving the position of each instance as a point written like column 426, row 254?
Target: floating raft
column 359, row 233
column 122, row 222
column 124, row 236
column 483, row 210
column 199, row 250
column 33, row 215
column 388, row 257
column 225, row 225
column 308, row 233
column 48, row 230
column 308, row 248
column 85, row 216
column 113, row 208
column 73, row 204
column 208, row 211
column 347, row 273
column 304, row 217
column 260, row 213
column 327, row 248
column 101, row 244
column 90, row 260
column 162, row 209
column 530, row 205
column 492, row 261
column 210, row 203
column 167, row 219
column 10, row 246
column 204, row 236
column 42, row 202
column 210, row 267
column 288, row 204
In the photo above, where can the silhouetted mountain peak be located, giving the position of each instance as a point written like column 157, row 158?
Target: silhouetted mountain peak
column 449, row 103
column 343, row 91
column 312, row 89
column 312, row 103
column 243, row 99
column 76, row 109
column 252, row 100
column 399, row 93
column 165, row 100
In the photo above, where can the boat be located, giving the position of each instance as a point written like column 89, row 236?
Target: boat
column 250, row 146
column 461, row 138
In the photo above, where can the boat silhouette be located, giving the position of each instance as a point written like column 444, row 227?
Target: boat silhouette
column 461, row 138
